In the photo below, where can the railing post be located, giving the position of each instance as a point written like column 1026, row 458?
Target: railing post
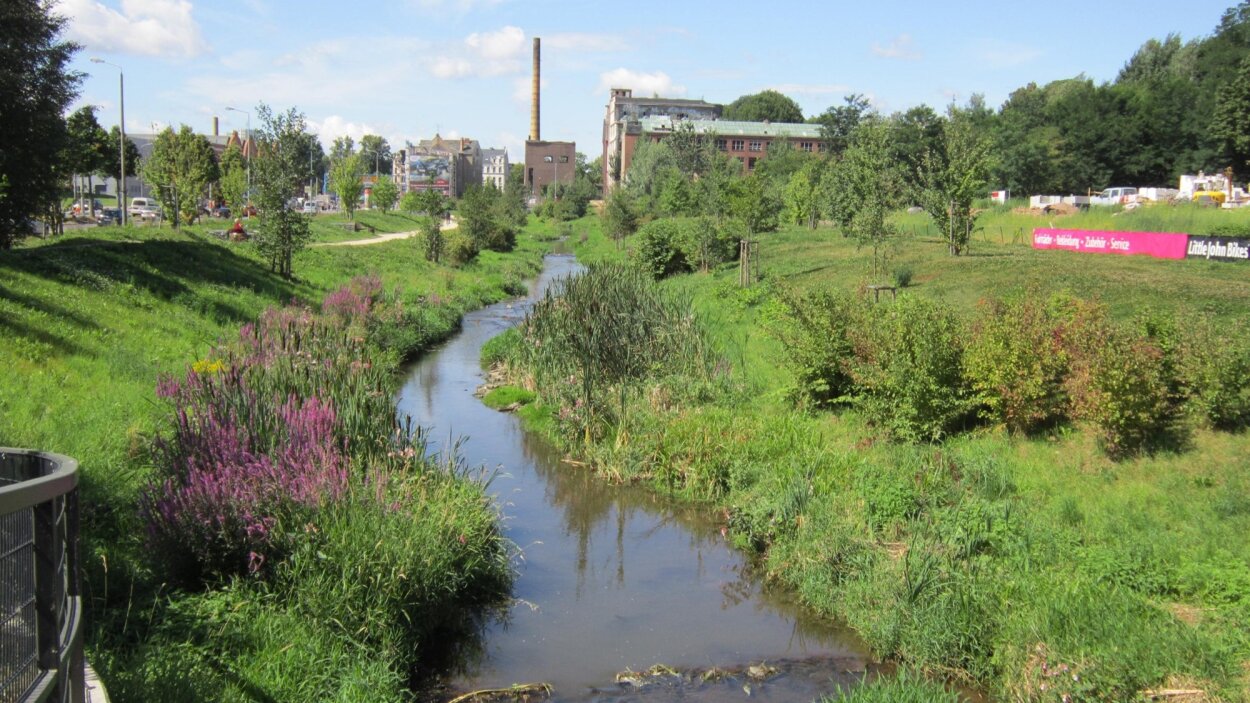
column 47, row 586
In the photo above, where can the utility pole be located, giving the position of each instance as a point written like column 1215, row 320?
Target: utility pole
column 121, row 182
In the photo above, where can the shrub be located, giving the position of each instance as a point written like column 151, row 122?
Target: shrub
column 459, row 248
column 815, row 330
column 1016, row 365
column 902, row 277
column 908, row 369
column 1214, row 372
column 658, row 248
column 1119, row 386
column 432, row 239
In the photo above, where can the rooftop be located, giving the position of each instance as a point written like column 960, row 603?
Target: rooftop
column 730, row 128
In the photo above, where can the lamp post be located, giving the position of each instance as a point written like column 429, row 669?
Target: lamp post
column 250, row 145
column 121, row 88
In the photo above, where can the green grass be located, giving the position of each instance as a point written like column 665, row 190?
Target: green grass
column 92, row 320
column 988, row 559
column 506, row 396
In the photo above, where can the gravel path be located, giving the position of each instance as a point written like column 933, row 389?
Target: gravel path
column 383, row 237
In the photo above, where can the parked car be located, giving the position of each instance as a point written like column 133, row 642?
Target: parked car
column 221, row 211
column 310, row 207
column 109, row 216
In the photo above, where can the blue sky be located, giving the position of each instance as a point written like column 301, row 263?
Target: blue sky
column 407, row 68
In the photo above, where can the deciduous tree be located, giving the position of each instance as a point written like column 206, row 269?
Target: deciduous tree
column 180, row 168
column 767, row 105
column 278, row 174
column 384, row 193
column 347, row 181
column 955, row 177
column 37, row 86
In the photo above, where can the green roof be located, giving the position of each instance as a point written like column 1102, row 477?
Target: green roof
column 729, row 128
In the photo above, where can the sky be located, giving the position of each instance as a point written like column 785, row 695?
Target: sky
column 407, row 69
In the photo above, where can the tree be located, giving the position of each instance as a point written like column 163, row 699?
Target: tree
column 384, row 193
column 378, row 153
column 692, row 152
column 752, row 202
column 838, row 123
column 803, row 195
column 278, row 175
column 341, row 148
column 181, row 166
column 88, row 146
column 620, row 215
column 346, row 180
column 233, row 181
column 1232, row 112
column 112, row 161
column 768, row 105
column 862, row 189
column 955, row 177
column 432, row 236
column 478, row 221
column 411, row 202
column 37, row 86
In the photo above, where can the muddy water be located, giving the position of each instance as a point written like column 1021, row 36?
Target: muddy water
column 612, row 578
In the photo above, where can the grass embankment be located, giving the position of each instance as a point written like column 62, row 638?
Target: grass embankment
column 1029, row 566
column 93, row 320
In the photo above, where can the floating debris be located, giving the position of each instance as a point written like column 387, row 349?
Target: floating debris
column 518, row 692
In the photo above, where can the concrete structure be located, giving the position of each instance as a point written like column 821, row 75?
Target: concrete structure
column 447, row 165
column 622, row 120
column 746, row 141
column 495, row 168
column 545, row 162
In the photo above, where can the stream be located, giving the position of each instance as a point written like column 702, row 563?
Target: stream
column 613, row 578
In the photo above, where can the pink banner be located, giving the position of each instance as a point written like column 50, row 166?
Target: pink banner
column 1161, row 245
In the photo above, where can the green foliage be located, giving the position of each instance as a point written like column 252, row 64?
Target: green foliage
column 480, row 220
column 802, row 196
column 752, row 201
column 180, row 168
column 838, row 123
column 432, row 239
column 1120, row 386
column 594, row 336
column 508, row 397
column 411, row 202
column 902, row 277
column 38, row 86
column 1214, row 371
column 347, row 180
column 620, row 215
column 384, row 194
column 458, row 248
column 88, row 143
column 902, row 687
column 861, row 189
column 280, row 167
column 767, row 105
column 1016, row 364
column 908, row 369
column 816, row 331
column 682, row 244
column 955, row 178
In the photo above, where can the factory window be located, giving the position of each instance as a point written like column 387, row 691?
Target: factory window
column 738, row 145
column 757, row 146
column 722, row 144
column 751, row 164
column 807, row 146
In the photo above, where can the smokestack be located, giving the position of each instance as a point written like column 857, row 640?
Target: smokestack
column 534, row 133
column 215, row 134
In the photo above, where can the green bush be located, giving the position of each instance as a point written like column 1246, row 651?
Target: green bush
column 675, row 245
column 902, row 277
column 458, row 248
column 659, row 248
column 1120, row 387
column 1214, row 371
column 815, row 330
column 1016, row 365
column 908, row 369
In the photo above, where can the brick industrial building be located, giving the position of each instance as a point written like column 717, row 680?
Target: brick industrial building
column 545, row 162
column 629, row 120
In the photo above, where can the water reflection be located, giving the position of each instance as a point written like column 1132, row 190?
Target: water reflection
column 610, row 577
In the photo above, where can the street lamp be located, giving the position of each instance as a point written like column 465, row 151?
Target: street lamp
column 250, row 145
column 121, row 183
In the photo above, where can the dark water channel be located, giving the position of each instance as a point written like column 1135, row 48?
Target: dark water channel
column 613, row 578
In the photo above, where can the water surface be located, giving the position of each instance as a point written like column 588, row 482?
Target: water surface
column 611, row 578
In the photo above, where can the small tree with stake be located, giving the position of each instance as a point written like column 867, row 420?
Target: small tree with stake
column 278, row 174
column 347, row 182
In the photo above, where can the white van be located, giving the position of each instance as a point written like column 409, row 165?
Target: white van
column 143, row 207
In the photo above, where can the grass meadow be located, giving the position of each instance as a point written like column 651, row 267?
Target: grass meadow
column 1033, row 568
column 92, row 321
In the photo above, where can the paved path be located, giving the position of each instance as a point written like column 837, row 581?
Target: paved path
column 383, row 237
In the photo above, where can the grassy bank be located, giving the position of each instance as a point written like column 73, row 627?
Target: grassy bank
column 93, row 320
column 1031, row 566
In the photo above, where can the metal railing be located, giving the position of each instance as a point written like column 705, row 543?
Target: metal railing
column 41, row 656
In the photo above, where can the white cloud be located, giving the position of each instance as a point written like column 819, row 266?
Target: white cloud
column 643, row 84
column 144, row 27
column 901, row 47
column 448, row 67
column 999, row 54
column 335, row 126
column 505, row 43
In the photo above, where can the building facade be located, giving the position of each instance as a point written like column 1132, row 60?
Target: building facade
column 495, row 168
column 547, row 163
column 449, row 166
column 623, row 119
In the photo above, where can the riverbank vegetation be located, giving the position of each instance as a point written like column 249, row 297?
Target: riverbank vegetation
column 951, row 485
column 203, row 580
